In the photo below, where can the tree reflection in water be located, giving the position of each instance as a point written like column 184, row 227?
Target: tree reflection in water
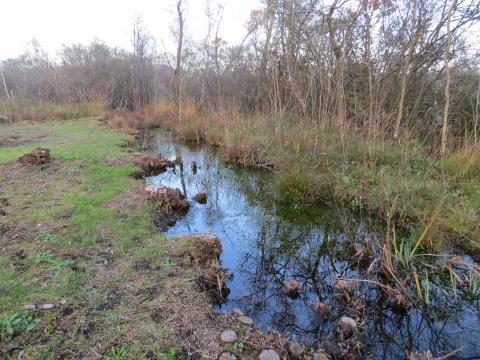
column 267, row 243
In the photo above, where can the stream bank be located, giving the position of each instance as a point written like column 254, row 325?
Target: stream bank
column 332, row 256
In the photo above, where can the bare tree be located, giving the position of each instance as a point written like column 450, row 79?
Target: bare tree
column 178, row 68
column 415, row 37
column 448, row 75
column 338, row 53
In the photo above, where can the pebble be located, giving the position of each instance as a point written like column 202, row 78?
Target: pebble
column 228, row 337
column 227, row 355
column 348, row 325
column 269, row 355
column 47, row 306
column 30, row 307
column 295, row 350
column 245, row 320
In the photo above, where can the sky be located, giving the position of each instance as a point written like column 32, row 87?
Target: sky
column 57, row 22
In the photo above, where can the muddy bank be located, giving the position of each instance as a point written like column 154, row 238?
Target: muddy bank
column 38, row 156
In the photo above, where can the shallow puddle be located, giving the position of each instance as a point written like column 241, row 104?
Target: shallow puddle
column 267, row 243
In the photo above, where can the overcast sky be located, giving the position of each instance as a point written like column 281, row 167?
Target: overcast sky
column 57, row 22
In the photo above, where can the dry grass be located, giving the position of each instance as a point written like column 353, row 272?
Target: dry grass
column 25, row 110
column 130, row 122
column 463, row 164
column 360, row 168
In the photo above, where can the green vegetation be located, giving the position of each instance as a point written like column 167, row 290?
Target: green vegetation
column 83, row 271
column 71, row 223
column 15, row 323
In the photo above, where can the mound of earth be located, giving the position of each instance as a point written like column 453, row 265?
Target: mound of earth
column 38, row 156
column 153, row 164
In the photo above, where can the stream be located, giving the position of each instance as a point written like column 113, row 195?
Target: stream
column 268, row 242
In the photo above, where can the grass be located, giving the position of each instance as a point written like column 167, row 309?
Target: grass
column 24, row 109
column 78, row 235
column 314, row 164
column 66, row 211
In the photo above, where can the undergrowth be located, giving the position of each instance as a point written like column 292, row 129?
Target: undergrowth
column 313, row 164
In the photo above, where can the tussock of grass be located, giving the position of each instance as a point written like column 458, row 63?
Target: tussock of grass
column 463, row 164
column 301, row 187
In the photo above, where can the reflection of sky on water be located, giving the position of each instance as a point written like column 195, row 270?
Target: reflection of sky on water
column 265, row 245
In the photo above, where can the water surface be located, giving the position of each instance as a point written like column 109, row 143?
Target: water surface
column 267, row 242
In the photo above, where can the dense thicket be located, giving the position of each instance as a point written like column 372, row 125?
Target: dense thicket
column 376, row 65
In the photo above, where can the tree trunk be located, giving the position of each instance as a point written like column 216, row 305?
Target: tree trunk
column 406, row 67
column 178, row 69
column 477, row 107
column 443, row 146
column 339, row 90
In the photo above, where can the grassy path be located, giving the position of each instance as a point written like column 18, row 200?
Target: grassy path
column 77, row 239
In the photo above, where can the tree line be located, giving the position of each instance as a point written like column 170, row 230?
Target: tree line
column 391, row 68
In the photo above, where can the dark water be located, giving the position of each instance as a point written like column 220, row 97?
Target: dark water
column 267, row 242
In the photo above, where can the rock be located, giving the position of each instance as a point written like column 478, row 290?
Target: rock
column 30, row 307
column 38, row 156
column 245, row 320
column 295, row 350
column 321, row 307
column 228, row 337
column 348, row 325
column 269, row 355
column 227, row 355
column 201, row 197
column 237, row 312
column 291, row 288
column 171, row 200
column 47, row 306
column 320, row 355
